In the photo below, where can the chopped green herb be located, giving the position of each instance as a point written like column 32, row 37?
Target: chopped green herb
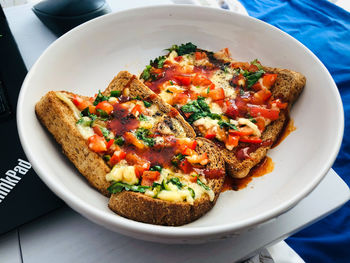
column 146, row 73
column 252, row 120
column 116, row 93
column 100, row 97
column 102, row 113
column 208, row 90
column 119, row 141
column 156, row 168
column 85, row 112
column 171, row 82
column 136, row 98
column 142, row 117
column 158, row 62
column 193, row 194
column 117, row 187
column 84, row 122
column 183, row 48
column 147, row 104
column 224, row 124
column 177, row 159
column 104, row 131
column 202, row 184
column 226, row 70
column 241, row 92
column 255, row 62
column 176, row 181
column 106, row 157
column 143, row 134
column 252, row 78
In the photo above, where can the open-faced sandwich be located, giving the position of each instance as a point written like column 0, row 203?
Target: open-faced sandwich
column 240, row 106
column 138, row 150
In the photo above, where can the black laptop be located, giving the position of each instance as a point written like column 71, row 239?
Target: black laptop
column 23, row 197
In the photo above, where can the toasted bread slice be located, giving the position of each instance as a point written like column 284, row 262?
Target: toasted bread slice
column 143, row 208
column 58, row 117
column 195, row 69
column 288, row 86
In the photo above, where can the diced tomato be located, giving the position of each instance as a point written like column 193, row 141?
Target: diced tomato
column 187, row 151
column 137, row 108
column 250, row 139
column 131, row 139
column 80, row 103
column 148, row 177
column 231, row 109
column 97, row 143
column 140, row 169
column 260, row 97
column 217, row 94
column 92, row 109
column 117, row 157
column 178, row 58
column 242, row 131
column 221, row 103
column 260, row 122
column 269, row 79
column 200, row 55
column 105, row 106
column 180, row 98
column 110, row 143
column 97, row 130
column 231, row 141
column 242, row 65
column 280, row 104
column 200, row 80
column 271, row 114
column 183, row 80
column 238, row 80
column 210, row 134
column 257, row 86
column 185, row 166
column 191, row 144
column 192, row 179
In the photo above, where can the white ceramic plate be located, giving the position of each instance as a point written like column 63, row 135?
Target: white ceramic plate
column 87, row 58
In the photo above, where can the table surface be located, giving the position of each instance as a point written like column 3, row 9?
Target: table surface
column 66, row 236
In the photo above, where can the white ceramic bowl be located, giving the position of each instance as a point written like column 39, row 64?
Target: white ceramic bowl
column 86, row 59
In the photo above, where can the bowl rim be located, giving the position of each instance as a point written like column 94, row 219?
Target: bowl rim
column 128, row 225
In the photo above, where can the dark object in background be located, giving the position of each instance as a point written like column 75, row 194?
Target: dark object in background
column 23, row 197
column 61, row 16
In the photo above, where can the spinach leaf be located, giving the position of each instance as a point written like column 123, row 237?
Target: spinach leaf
column 183, row 48
column 176, row 181
column 227, row 125
column 252, row 78
column 202, row 184
column 142, row 117
column 100, row 97
column 156, row 168
column 146, row 73
column 147, row 103
column 117, row 187
column 143, row 134
column 102, row 113
column 116, row 93
column 193, row 194
column 158, row 62
column 119, row 141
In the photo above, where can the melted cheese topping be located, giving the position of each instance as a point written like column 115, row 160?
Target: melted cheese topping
column 122, row 173
column 63, row 97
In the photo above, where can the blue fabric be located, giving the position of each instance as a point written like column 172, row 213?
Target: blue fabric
column 325, row 29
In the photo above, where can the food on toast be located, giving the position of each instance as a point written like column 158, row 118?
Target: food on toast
column 240, row 106
column 138, row 150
